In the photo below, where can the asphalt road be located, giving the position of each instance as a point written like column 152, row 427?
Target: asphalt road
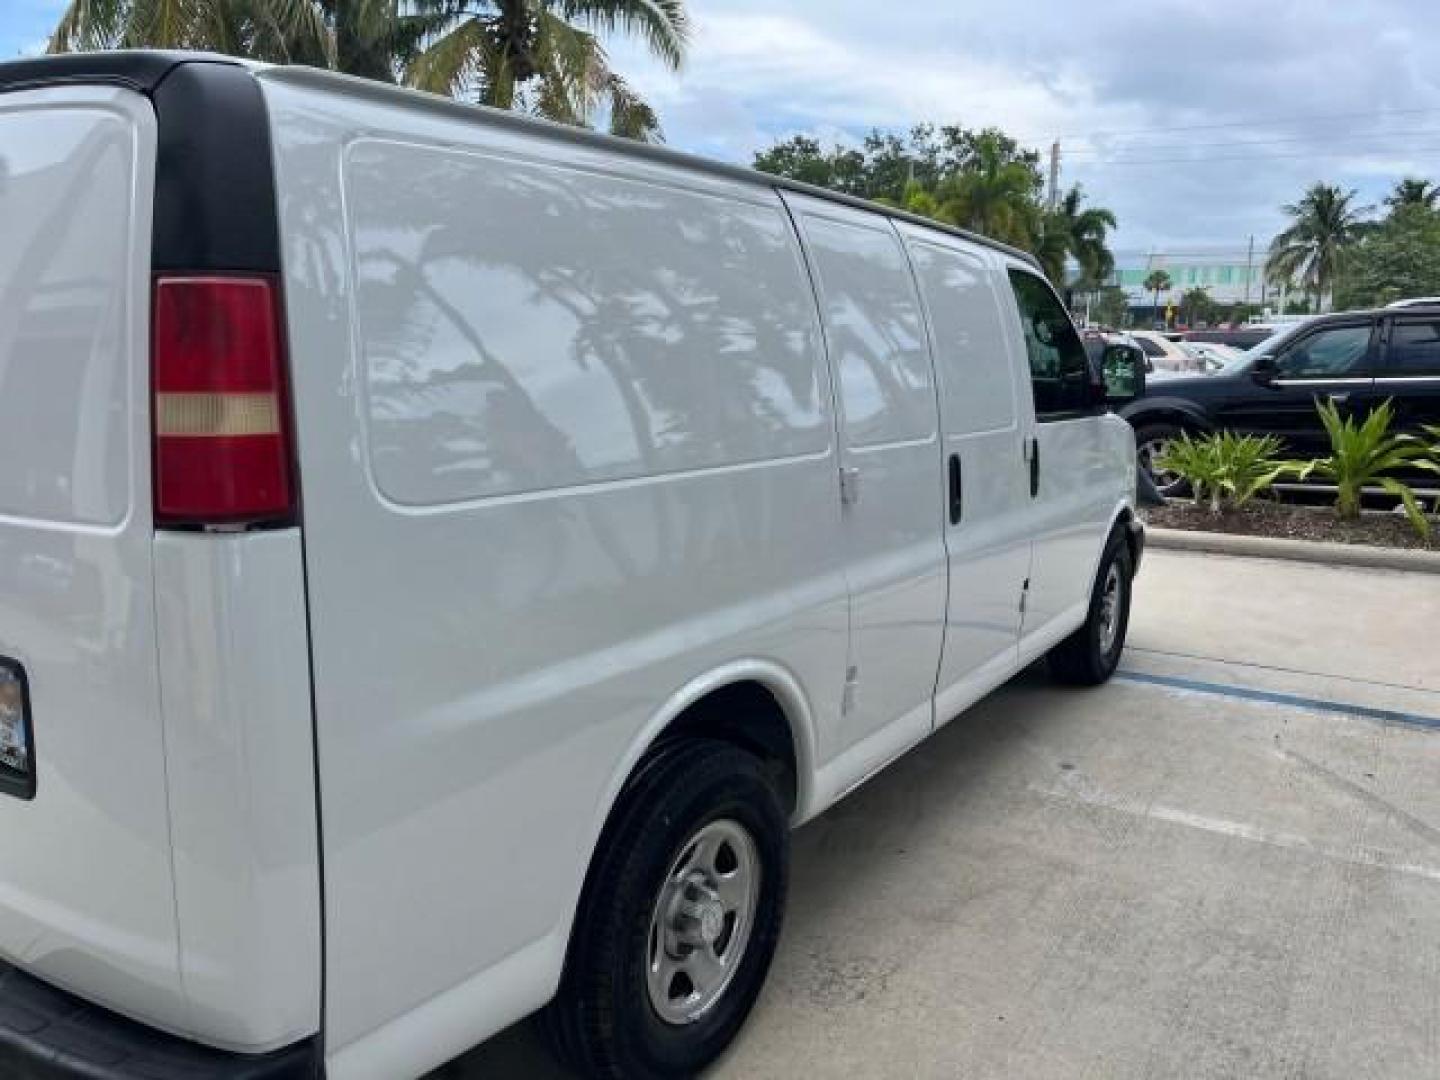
column 1224, row 863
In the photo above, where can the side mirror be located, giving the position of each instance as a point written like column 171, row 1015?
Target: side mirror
column 1265, row 370
column 1124, row 368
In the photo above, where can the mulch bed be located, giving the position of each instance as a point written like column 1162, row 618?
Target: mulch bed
column 1294, row 523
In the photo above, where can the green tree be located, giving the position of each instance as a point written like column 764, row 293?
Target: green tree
column 1112, row 308
column 1324, row 226
column 982, row 180
column 1156, row 282
column 1412, row 192
column 996, row 194
column 1197, row 306
column 1400, row 258
column 802, row 158
column 543, row 56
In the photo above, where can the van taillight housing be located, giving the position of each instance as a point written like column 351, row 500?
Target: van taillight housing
column 219, row 409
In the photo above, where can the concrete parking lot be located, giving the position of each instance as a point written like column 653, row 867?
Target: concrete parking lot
column 1224, row 863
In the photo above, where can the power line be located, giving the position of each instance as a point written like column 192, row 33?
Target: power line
column 1246, row 123
column 1240, row 144
column 1407, row 151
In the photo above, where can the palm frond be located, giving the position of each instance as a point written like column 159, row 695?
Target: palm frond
column 456, row 61
column 664, row 25
column 631, row 116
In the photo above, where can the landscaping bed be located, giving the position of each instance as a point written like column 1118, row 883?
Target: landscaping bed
column 1288, row 521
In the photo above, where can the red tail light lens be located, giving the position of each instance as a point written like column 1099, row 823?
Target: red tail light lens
column 219, row 411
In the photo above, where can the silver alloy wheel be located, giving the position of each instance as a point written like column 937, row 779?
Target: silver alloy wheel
column 1165, row 480
column 702, row 920
column 1111, row 597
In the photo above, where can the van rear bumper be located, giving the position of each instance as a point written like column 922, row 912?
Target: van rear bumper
column 48, row 1034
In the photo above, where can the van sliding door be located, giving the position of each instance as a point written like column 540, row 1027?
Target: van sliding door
column 890, row 462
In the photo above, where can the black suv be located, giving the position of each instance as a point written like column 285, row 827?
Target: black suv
column 1357, row 360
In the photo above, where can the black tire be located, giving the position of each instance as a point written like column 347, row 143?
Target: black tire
column 1084, row 659
column 602, row 1023
column 1149, row 436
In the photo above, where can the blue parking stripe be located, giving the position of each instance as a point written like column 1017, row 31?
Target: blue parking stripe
column 1384, row 716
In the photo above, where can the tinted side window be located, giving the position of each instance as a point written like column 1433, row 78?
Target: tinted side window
column 1330, row 353
column 1149, row 347
column 1059, row 371
column 875, row 332
column 1415, row 348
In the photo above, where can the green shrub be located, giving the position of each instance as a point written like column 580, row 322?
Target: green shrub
column 1361, row 454
column 1227, row 469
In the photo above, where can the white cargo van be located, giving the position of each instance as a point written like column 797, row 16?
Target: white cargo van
column 442, row 554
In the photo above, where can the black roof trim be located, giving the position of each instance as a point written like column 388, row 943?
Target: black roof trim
column 141, row 70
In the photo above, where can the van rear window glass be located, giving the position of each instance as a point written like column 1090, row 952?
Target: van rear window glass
column 526, row 327
column 67, row 274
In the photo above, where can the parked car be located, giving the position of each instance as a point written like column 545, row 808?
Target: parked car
column 1211, row 356
column 1355, row 359
column 445, row 553
column 1236, row 337
column 1164, row 354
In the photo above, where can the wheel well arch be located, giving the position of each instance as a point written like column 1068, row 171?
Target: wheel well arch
column 748, row 714
column 1178, row 415
column 1121, row 523
column 754, row 704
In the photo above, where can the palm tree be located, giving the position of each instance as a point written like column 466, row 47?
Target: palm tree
column 995, row 194
column 1324, row 224
column 544, row 56
column 1413, row 192
column 1075, row 231
column 1087, row 229
column 1157, row 282
column 277, row 31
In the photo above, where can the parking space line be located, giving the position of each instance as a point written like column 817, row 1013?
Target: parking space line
column 1238, row 830
column 1275, row 697
column 1230, row 662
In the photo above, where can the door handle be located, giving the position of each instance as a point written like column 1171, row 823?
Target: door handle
column 957, row 491
column 1340, row 397
column 1034, row 467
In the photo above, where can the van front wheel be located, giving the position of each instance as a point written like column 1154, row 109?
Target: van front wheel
column 1090, row 655
column 679, row 918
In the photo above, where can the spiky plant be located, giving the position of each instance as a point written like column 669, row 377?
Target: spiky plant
column 1362, row 454
column 1227, row 469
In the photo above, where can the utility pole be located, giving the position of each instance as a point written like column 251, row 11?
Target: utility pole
column 1054, row 199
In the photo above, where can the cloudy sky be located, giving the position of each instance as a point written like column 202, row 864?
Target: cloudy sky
column 1192, row 120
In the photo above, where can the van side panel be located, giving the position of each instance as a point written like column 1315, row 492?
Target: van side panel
column 235, row 678
column 86, row 894
column 567, row 446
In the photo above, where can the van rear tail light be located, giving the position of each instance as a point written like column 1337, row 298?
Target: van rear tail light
column 219, row 409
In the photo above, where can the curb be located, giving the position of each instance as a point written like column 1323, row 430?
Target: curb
column 1311, row 551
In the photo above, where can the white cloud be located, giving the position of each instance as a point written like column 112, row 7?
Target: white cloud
column 765, row 69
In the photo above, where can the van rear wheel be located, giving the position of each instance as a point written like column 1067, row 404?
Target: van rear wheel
column 1090, row 655
column 679, row 918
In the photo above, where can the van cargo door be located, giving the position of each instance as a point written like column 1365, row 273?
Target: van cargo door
column 86, row 895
